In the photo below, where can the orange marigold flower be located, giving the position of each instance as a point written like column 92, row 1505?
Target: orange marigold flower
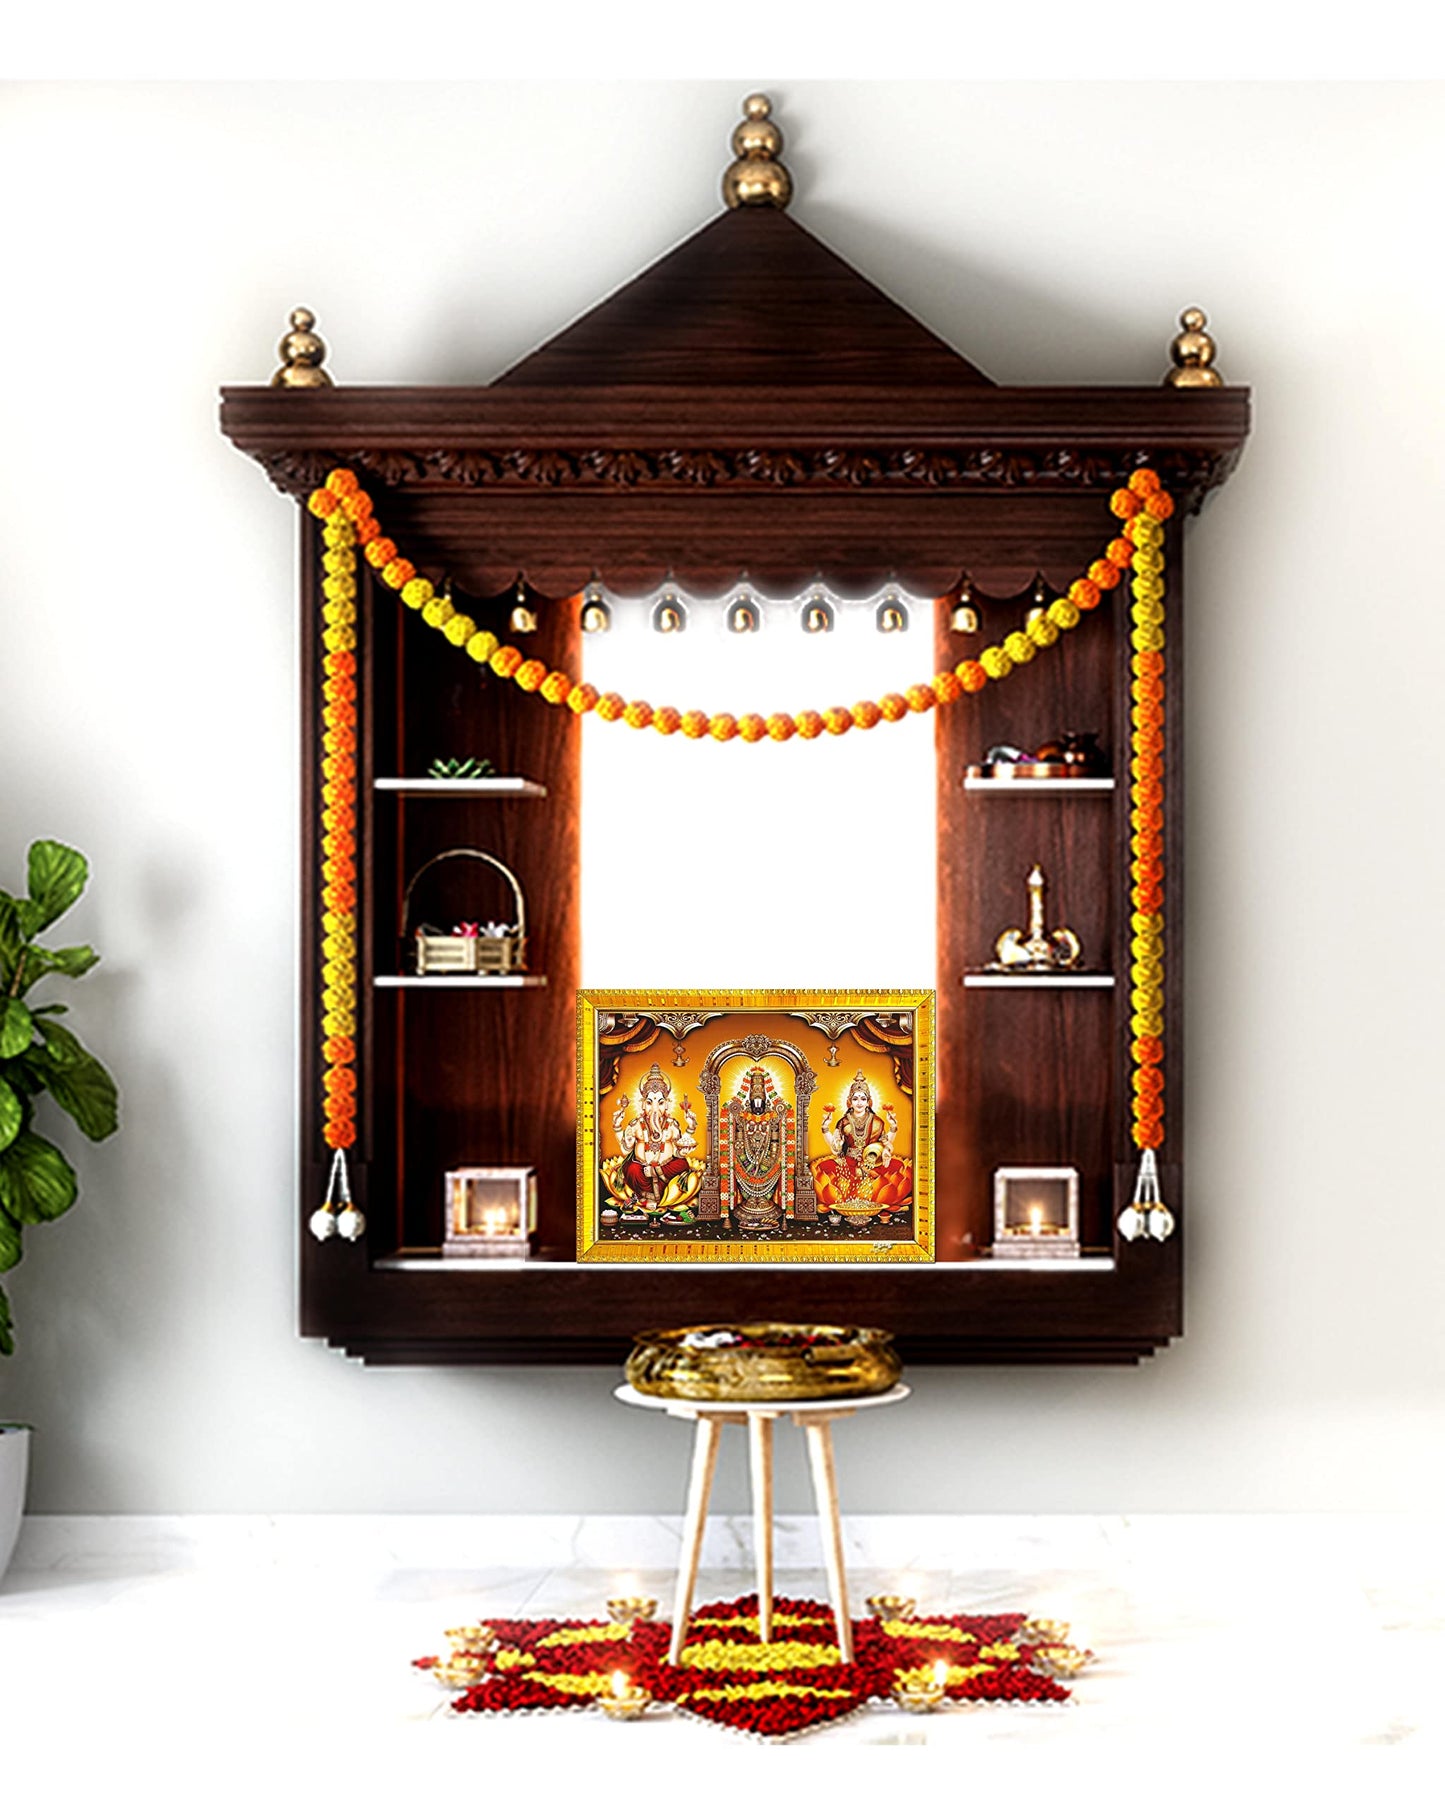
column 752, row 728
column 866, row 714
column 1102, row 571
column 946, row 687
column 398, row 573
column 667, row 720
column 695, row 723
column 920, row 698
column 529, row 674
column 380, row 552
column 1160, row 506
column 1150, row 897
column 781, row 727
column 339, row 1078
column 556, row 687
column 322, row 502
column 893, row 706
column 637, row 714
column 581, row 698
column 339, row 1049
column 1148, row 1050
column 971, row 675
column 1144, row 481
column 610, row 706
column 341, row 688
column 1148, row 1081
column 340, row 897
column 505, row 660
column 837, row 721
column 1084, row 592
column 809, row 723
column 1149, row 664
column 340, row 1135
column 367, row 531
column 342, row 481
column 1120, row 552
column 723, row 727
column 340, row 664
column 1124, row 503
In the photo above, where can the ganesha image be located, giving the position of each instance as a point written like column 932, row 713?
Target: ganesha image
column 658, row 1170
column 861, row 1179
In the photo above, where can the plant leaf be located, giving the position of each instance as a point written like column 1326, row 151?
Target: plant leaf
column 7, row 1330
column 69, row 962
column 10, row 1249
column 86, row 1092
column 16, row 1028
column 42, row 1181
column 12, row 1114
column 49, row 1009
column 56, row 876
column 62, row 1047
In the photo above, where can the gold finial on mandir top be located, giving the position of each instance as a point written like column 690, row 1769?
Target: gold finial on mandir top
column 757, row 178
column 302, row 352
column 1193, row 354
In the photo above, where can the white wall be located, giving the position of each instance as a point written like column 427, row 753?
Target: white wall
column 156, row 238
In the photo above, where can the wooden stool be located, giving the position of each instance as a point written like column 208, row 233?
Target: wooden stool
column 814, row 1417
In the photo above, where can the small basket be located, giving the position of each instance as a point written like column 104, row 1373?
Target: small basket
column 492, row 955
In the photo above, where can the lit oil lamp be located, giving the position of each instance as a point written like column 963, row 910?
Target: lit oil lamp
column 892, row 1605
column 624, row 1699
column 922, row 1689
column 631, row 1608
column 472, row 1639
column 462, row 1669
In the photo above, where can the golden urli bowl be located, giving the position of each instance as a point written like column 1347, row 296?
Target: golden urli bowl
column 759, row 1363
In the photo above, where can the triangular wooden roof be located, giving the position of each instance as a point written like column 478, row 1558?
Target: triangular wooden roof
column 750, row 299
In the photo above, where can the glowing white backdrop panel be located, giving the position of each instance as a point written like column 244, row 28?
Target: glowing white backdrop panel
column 809, row 863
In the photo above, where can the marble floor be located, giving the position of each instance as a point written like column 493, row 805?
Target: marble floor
column 270, row 1657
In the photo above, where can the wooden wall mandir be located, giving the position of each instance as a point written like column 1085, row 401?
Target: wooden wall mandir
column 750, row 402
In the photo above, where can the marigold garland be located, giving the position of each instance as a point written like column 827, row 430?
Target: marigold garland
column 769, row 1690
column 348, row 514
column 341, row 497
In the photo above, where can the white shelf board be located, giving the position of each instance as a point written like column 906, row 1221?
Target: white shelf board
column 1038, row 981
column 1037, row 786
column 460, row 786
column 458, row 981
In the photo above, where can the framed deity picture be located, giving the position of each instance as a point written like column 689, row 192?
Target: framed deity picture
column 741, row 1126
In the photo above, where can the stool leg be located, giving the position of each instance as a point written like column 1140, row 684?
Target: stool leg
column 825, row 1493
column 760, row 1447
column 704, row 1459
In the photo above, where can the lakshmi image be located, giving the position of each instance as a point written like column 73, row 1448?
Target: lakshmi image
column 862, row 1179
column 658, row 1170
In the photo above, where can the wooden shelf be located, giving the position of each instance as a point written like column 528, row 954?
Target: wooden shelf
column 1038, row 981
column 1041, row 786
column 499, row 787
column 458, row 981
column 418, row 1260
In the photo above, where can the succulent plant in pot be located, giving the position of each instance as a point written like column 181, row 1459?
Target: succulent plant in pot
column 40, row 1059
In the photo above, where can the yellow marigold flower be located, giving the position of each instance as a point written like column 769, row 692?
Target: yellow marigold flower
column 339, row 639
column 996, row 662
column 638, row 714
column 1042, row 631
column 338, row 614
column 418, row 592
column 1146, row 1022
column 337, row 564
column 1148, row 589
column 339, row 589
column 1147, row 639
column 481, row 646
column 1064, row 613
column 1148, row 561
column 437, row 612
column 397, row 573
column 1020, row 648
column 460, row 629
column 752, row 728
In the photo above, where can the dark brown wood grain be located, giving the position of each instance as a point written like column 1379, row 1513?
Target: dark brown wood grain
column 749, row 406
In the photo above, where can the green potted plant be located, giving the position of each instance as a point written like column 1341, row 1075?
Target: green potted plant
column 39, row 1058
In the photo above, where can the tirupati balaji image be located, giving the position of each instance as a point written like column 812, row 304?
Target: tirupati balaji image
column 755, row 1125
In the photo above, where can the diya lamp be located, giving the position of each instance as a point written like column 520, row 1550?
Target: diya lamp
column 922, row 1689
column 891, row 1605
column 1036, row 1212
column 632, row 1608
column 472, row 1639
column 624, row 1699
column 462, row 1669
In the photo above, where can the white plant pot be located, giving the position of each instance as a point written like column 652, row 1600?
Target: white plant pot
column 14, row 1464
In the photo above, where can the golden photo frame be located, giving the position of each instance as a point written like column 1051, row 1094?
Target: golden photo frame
column 755, row 1126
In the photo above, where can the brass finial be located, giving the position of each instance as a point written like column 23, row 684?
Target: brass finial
column 302, row 353
column 757, row 178
column 1193, row 354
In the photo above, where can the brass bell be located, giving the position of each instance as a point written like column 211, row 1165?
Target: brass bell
column 743, row 618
